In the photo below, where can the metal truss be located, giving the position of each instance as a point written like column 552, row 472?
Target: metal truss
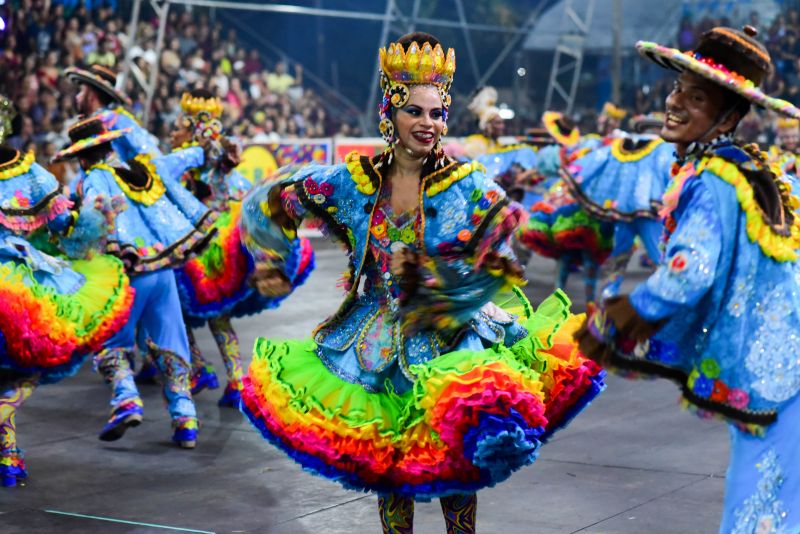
column 568, row 60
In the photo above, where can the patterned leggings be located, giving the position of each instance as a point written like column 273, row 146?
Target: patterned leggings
column 397, row 513
column 12, row 394
column 228, row 345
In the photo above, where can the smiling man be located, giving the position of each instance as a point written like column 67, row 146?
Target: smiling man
column 720, row 316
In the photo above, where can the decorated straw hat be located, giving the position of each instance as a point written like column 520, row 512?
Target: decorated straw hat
column 101, row 78
column 538, row 137
column 730, row 58
column 86, row 134
column 562, row 129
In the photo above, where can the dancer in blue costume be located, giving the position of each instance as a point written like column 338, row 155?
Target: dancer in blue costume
column 53, row 312
column 214, row 286
column 623, row 183
column 558, row 227
column 514, row 167
column 98, row 97
column 721, row 314
column 419, row 387
column 162, row 226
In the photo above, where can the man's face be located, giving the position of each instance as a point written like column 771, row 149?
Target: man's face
column 692, row 110
column 85, row 100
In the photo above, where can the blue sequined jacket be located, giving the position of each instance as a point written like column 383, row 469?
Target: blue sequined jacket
column 465, row 219
column 137, row 141
column 726, row 292
column 163, row 222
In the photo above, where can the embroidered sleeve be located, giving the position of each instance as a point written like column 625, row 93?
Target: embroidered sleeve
column 137, row 141
column 690, row 260
column 270, row 216
column 93, row 221
column 176, row 163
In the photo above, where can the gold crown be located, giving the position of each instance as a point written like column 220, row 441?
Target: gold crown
column 613, row 111
column 785, row 123
column 194, row 105
column 422, row 64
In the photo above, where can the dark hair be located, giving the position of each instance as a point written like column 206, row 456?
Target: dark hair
column 419, row 38
column 95, row 153
column 104, row 98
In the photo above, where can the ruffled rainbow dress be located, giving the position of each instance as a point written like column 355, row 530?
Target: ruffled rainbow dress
column 470, row 420
column 446, row 392
column 54, row 311
column 215, row 282
column 557, row 225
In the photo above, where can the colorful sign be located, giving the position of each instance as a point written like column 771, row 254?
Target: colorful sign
column 261, row 161
column 366, row 146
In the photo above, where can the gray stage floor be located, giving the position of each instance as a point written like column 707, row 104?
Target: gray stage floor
column 633, row 462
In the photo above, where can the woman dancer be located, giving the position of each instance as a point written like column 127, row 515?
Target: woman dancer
column 54, row 312
column 622, row 184
column 214, row 285
column 419, row 386
column 721, row 314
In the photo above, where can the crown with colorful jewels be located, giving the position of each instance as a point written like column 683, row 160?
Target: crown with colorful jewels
column 613, row 111
column 193, row 106
column 7, row 114
column 786, row 123
column 420, row 64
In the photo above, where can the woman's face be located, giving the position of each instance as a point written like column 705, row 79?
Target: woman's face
column 692, row 110
column 419, row 124
column 180, row 133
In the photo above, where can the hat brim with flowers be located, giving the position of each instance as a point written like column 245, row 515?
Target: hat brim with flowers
column 81, row 145
column 79, row 75
column 674, row 59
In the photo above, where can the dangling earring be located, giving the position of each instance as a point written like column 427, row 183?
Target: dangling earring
column 386, row 127
column 440, row 155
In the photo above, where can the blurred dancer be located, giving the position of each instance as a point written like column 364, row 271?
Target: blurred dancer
column 162, row 225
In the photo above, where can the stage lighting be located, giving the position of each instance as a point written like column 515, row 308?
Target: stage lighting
column 522, row 71
column 505, row 112
column 2, row 24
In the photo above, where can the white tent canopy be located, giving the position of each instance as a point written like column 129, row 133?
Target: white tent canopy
column 641, row 19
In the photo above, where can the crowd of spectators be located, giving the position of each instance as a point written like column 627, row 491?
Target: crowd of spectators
column 263, row 100
column 43, row 37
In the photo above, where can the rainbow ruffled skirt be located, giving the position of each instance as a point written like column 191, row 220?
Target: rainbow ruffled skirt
column 558, row 226
column 470, row 420
column 45, row 331
column 215, row 282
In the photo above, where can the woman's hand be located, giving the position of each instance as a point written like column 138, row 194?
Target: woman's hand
column 402, row 260
column 269, row 281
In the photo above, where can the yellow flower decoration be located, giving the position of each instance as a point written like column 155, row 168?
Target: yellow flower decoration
column 358, row 175
column 17, row 166
column 147, row 195
column 779, row 247
column 459, row 173
column 625, row 156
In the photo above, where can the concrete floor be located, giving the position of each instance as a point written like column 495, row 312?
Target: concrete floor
column 633, row 462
